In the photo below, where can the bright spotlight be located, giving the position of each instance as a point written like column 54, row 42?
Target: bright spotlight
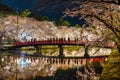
column 23, row 62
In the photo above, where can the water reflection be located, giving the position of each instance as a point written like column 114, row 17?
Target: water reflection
column 12, row 66
column 20, row 65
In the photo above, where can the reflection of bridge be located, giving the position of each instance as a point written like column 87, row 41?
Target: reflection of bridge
column 55, row 60
column 60, row 43
column 27, row 67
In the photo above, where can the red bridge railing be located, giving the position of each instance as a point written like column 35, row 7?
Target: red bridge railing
column 57, row 42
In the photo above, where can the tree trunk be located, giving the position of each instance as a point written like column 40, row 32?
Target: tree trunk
column 118, row 46
column 0, row 43
column 86, row 55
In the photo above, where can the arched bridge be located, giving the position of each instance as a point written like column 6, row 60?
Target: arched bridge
column 60, row 43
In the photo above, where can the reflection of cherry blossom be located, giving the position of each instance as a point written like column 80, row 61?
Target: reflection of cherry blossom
column 25, row 67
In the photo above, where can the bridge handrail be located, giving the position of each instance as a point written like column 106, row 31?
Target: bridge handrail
column 59, row 41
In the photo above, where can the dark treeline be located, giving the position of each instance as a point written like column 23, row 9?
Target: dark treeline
column 6, row 10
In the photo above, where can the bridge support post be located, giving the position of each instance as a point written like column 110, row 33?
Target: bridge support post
column 17, row 50
column 60, row 51
column 86, row 51
column 38, row 50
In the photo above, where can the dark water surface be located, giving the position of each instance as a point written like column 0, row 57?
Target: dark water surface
column 19, row 65
column 14, row 67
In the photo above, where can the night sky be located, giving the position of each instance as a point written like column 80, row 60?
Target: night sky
column 44, row 8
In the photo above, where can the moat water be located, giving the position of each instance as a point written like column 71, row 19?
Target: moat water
column 14, row 65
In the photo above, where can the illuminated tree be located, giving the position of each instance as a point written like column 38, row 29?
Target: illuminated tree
column 25, row 13
column 2, row 34
column 102, row 14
